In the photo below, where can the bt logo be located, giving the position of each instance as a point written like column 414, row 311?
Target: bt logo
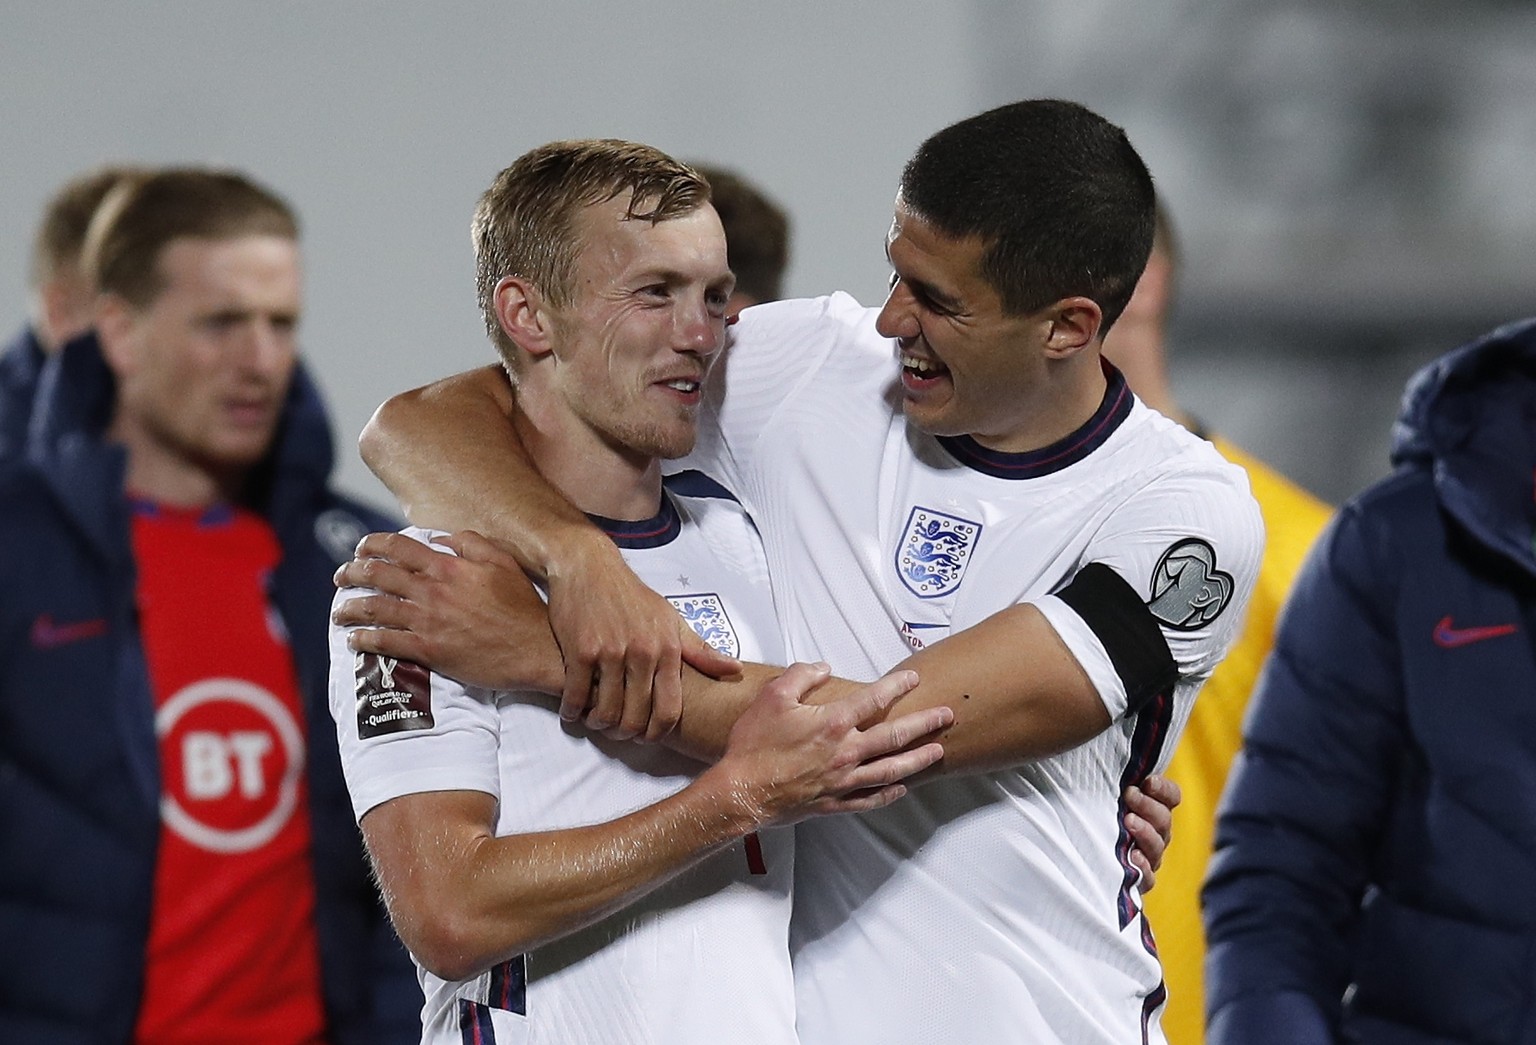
column 232, row 756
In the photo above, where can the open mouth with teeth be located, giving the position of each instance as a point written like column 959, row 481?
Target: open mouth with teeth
column 687, row 388
column 920, row 372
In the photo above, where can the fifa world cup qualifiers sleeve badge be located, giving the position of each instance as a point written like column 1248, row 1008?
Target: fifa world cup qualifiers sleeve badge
column 393, row 696
column 1188, row 591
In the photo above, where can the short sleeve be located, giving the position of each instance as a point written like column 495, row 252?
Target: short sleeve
column 1188, row 545
column 405, row 730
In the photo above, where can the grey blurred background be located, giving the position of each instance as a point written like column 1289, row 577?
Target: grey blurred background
column 1352, row 179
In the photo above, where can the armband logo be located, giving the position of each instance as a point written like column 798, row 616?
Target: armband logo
column 705, row 614
column 1188, row 591
column 392, row 695
column 934, row 550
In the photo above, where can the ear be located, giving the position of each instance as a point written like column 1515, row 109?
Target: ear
column 524, row 315
column 115, row 319
column 61, row 306
column 1073, row 324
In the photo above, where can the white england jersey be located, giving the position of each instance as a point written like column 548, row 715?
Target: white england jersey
column 998, row 907
column 703, row 955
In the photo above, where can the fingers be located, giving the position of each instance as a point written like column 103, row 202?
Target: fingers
column 635, row 711
column 667, row 693
column 889, row 769
column 795, row 681
column 391, row 563
column 1163, row 791
column 903, row 731
column 384, row 611
column 870, row 701
column 576, row 694
column 860, row 802
column 1148, row 837
column 397, row 645
column 607, row 706
column 472, row 547
column 397, row 548
column 703, row 657
column 1148, row 876
column 1153, row 801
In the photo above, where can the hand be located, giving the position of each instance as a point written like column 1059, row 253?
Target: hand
column 791, row 760
column 624, row 647
column 473, row 616
column 1149, row 819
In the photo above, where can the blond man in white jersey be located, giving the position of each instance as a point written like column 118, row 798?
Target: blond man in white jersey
column 959, row 474
column 550, row 886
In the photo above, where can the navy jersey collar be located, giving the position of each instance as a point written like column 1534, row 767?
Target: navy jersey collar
column 1067, row 451
column 661, row 528
column 218, row 514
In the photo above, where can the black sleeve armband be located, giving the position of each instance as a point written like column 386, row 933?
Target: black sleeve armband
column 1130, row 634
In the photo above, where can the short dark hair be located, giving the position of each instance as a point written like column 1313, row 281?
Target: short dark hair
column 756, row 232
column 60, row 239
column 132, row 227
column 525, row 223
column 1056, row 192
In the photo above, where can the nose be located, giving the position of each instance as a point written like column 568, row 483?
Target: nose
column 897, row 318
column 701, row 331
column 270, row 347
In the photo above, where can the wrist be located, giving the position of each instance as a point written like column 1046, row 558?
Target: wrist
column 734, row 808
column 569, row 551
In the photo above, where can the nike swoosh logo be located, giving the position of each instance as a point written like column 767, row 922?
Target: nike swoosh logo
column 1449, row 637
column 48, row 635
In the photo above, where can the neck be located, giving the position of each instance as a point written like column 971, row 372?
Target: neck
column 167, row 478
column 590, row 472
column 1136, row 347
column 1073, row 392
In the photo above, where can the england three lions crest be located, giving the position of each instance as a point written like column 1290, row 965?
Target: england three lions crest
column 933, row 552
column 705, row 614
column 1188, row 591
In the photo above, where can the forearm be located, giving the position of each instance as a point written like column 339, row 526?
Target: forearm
column 1017, row 694
column 474, row 473
column 711, row 707
column 1009, row 707
column 464, row 899
column 1017, row 691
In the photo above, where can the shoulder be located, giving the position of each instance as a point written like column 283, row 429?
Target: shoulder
column 706, row 506
column 1165, row 471
column 806, row 326
column 692, row 483
column 1293, row 517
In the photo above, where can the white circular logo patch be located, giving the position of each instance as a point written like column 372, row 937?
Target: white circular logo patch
column 231, row 758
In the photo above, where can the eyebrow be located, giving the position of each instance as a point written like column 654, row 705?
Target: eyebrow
column 924, row 289
column 675, row 277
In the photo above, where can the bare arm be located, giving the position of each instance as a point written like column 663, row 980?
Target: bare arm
column 450, row 454
column 464, row 899
column 476, row 618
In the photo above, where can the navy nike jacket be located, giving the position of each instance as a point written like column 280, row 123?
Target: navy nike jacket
column 79, row 763
column 21, row 364
column 1376, row 847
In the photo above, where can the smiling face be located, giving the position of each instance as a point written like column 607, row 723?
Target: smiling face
column 968, row 367
column 646, row 320
column 203, row 367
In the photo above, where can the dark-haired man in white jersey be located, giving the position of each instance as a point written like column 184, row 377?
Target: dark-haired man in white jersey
column 958, row 474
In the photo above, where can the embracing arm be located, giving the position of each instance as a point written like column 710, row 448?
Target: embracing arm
column 464, row 899
column 1015, row 690
column 451, row 455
